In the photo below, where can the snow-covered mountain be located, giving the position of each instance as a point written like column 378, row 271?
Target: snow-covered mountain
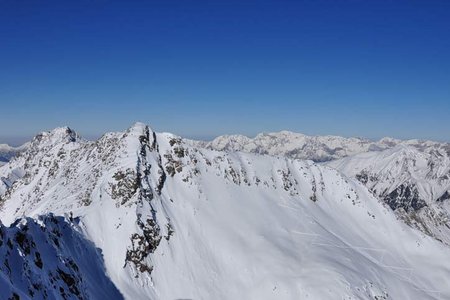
column 414, row 181
column 300, row 146
column 409, row 175
column 7, row 152
column 47, row 258
column 173, row 220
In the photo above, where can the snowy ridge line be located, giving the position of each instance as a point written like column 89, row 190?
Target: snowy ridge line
column 413, row 175
column 301, row 146
column 174, row 221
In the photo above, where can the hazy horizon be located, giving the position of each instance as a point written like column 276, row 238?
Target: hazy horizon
column 20, row 140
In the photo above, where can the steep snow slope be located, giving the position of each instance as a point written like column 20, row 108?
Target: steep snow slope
column 413, row 181
column 49, row 259
column 300, row 146
column 174, row 221
column 412, row 177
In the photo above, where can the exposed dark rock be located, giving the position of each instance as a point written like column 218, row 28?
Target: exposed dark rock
column 172, row 166
column 71, row 282
column 14, row 296
column 38, row 261
column 445, row 196
column 170, row 231
column 126, row 185
column 362, row 177
column 161, row 180
column 142, row 245
column 406, row 197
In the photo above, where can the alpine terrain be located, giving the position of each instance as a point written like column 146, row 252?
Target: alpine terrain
column 7, row 152
column 297, row 145
column 413, row 179
column 411, row 176
column 145, row 215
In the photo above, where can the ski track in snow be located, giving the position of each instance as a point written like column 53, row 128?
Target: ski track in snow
column 177, row 221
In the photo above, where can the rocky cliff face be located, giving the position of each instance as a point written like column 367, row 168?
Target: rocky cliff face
column 60, row 172
column 175, row 221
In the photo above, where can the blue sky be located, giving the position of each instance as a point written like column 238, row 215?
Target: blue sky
column 204, row 68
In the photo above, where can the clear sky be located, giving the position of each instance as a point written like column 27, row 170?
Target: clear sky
column 203, row 68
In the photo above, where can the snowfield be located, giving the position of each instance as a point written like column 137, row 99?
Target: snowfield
column 171, row 219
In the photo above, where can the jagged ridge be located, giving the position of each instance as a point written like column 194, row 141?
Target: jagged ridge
column 178, row 221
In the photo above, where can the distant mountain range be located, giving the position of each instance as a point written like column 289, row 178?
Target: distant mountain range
column 413, row 180
column 146, row 215
column 7, row 152
column 301, row 146
column 411, row 176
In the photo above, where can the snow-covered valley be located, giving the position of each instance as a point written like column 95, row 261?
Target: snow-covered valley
column 160, row 217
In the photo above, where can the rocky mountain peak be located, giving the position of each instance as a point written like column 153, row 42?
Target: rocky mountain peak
column 139, row 128
column 164, row 213
column 58, row 135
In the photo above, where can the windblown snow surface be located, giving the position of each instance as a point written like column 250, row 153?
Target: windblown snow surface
column 170, row 220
